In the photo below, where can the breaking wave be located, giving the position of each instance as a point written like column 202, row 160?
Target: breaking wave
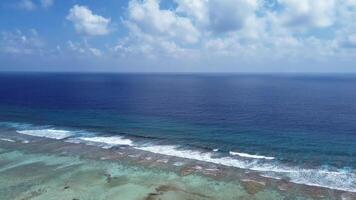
column 105, row 142
column 246, row 155
column 341, row 179
column 48, row 133
column 338, row 179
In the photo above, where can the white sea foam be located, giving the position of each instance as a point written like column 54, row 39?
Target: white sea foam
column 47, row 133
column 106, row 142
column 336, row 179
column 246, row 155
column 7, row 140
column 341, row 180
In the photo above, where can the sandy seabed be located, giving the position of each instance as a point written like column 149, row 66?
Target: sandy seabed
column 45, row 169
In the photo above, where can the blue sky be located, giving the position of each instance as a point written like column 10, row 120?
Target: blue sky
column 178, row 35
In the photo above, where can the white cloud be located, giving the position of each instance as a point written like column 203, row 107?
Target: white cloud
column 83, row 48
column 26, row 5
column 18, row 42
column 197, row 10
column 188, row 28
column 230, row 15
column 347, row 39
column 156, row 33
column 87, row 23
column 47, row 3
column 226, row 32
column 239, row 30
column 351, row 40
column 146, row 17
column 219, row 15
column 150, row 47
column 313, row 13
column 31, row 5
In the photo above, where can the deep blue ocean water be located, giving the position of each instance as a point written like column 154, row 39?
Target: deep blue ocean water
column 307, row 121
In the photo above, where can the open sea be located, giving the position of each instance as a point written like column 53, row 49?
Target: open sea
column 296, row 127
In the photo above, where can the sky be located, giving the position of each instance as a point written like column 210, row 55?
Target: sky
column 178, row 35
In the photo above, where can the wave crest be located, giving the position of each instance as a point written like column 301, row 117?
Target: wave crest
column 47, row 133
column 246, row 155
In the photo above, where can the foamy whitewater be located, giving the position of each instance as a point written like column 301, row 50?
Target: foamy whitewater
column 341, row 179
column 7, row 140
column 246, row 155
column 105, row 142
column 48, row 133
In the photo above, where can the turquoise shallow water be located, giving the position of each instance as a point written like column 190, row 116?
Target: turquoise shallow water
column 41, row 169
column 41, row 176
column 267, row 166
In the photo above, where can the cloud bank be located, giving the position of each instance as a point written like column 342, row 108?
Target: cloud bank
column 216, row 35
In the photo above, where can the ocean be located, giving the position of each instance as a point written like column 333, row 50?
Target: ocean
column 298, row 127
